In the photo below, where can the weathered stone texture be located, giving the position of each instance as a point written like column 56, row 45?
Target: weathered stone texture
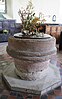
column 31, row 56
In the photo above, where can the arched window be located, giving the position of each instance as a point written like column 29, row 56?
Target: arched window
column 3, row 6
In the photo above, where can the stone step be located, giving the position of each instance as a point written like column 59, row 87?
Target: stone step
column 20, row 85
column 27, row 86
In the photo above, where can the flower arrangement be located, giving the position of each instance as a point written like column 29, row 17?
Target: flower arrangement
column 30, row 23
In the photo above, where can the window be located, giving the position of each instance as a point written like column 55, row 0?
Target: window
column 2, row 6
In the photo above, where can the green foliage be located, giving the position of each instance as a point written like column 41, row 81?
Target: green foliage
column 29, row 20
column 27, row 15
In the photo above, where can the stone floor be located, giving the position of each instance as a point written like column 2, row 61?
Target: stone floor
column 6, row 63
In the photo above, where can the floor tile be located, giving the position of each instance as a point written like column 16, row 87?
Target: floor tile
column 58, row 92
column 51, row 97
column 4, row 97
column 58, row 97
column 44, row 97
column 11, row 97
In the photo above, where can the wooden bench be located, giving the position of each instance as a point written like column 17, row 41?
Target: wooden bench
column 54, row 30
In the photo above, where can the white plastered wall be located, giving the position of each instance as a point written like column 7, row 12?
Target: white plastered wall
column 47, row 7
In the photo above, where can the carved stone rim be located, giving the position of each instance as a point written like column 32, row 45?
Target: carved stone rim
column 33, row 56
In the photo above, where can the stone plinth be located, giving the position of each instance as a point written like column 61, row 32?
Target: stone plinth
column 50, row 79
column 31, row 56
